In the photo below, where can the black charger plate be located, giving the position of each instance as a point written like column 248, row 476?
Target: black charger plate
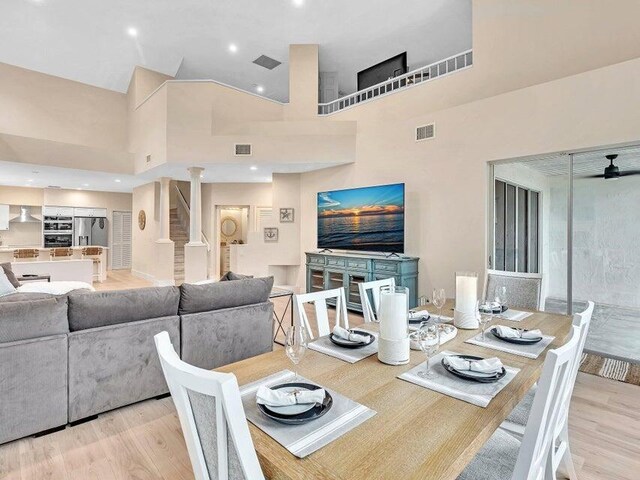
column 466, row 376
column 519, row 341
column 304, row 417
column 496, row 311
column 341, row 342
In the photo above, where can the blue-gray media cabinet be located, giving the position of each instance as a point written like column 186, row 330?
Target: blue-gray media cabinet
column 334, row 270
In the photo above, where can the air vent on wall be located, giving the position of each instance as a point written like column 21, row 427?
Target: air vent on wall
column 425, row 132
column 266, row 62
column 242, row 149
column 148, row 158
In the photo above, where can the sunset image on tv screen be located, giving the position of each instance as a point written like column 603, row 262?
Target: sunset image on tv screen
column 367, row 219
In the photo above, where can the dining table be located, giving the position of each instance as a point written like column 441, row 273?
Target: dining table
column 416, row 433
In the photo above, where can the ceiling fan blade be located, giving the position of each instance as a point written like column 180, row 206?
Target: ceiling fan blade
column 600, row 175
column 629, row 172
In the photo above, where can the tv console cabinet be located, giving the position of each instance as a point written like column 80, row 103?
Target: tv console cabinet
column 335, row 270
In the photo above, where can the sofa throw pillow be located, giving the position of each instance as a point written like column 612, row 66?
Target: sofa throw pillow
column 8, row 271
column 233, row 276
column 6, row 287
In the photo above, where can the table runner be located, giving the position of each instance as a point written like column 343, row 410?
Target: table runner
column 350, row 355
column 476, row 393
column 303, row 440
column 529, row 351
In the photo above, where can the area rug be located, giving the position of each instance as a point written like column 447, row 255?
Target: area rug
column 610, row 368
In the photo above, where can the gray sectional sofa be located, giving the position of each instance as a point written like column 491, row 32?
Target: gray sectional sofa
column 65, row 359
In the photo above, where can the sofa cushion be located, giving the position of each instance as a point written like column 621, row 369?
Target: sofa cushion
column 34, row 319
column 99, row 309
column 234, row 276
column 27, row 297
column 8, row 271
column 214, row 296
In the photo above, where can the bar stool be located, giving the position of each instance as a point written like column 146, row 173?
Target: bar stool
column 61, row 253
column 95, row 254
column 26, row 254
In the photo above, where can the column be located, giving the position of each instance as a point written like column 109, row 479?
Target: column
column 164, row 266
column 195, row 252
column 195, row 205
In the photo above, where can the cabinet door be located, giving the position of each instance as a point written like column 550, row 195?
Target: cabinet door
column 334, row 279
column 353, row 289
column 4, row 217
column 315, row 279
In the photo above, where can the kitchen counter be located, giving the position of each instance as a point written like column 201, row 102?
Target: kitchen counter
column 6, row 255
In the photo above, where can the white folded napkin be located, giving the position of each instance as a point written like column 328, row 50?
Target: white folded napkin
column 488, row 365
column 278, row 398
column 508, row 332
column 345, row 334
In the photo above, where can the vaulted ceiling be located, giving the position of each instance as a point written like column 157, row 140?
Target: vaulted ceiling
column 99, row 42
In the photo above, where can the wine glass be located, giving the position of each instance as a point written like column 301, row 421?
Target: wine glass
column 485, row 319
column 429, row 340
column 439, row 299
column 500, row 297
column 295, row 345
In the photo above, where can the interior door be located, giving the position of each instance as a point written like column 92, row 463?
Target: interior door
column 121, row 241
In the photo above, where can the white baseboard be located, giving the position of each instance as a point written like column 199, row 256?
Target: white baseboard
column 143, row 275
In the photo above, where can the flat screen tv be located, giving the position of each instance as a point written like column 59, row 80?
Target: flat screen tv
column 367, row 219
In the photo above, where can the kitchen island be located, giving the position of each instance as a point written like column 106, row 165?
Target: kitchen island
column 56, row 268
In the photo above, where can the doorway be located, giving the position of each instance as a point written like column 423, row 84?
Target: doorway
column 588, row 223
column 232, row 229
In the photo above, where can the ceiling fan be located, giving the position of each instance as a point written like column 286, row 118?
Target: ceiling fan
column 612, row 171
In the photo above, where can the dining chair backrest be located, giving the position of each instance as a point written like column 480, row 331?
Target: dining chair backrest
column 26, row 254
column 535, row 455
column 319, row 300
column 212, row 418
column 524, row 290
column 581, row 320
column 61, row 252
column 369, row 309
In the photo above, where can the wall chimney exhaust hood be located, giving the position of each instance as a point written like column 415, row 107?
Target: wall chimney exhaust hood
column 25, row 216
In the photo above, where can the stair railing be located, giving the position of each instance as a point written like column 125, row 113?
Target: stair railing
column 182, row 202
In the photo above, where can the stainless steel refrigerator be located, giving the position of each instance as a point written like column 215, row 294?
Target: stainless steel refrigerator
column 90, row 231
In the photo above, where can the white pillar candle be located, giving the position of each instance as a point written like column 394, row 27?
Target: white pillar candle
column 466, row 293
column 393, row 316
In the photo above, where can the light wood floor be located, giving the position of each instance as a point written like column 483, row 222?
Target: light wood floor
column 144, row 441
column 121, row 280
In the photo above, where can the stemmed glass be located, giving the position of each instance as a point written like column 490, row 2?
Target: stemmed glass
column 295, row 345
column 500, row 297
column 429, row 340
column 485, row 319
column 438, row 300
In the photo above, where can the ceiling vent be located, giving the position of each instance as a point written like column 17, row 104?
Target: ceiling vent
column 242, row 149
column 266, row 62
column 425, row 132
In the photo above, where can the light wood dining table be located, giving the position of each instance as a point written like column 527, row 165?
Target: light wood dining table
column 417, row 433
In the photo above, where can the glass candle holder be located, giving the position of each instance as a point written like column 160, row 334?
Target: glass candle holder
column 393, row 341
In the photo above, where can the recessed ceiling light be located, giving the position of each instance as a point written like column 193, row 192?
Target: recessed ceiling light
column 298, row 3
column 233, row 48
column 30, row 180
column 117, row 180
column 85, row 184
column 253, row 167
column 133, row 32
column 259, row 89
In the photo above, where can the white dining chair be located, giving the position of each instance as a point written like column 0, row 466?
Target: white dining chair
column 524, row 290
column 319, row 300
column 542, row 452
column 518, row 418
column 369, row 310
column 212, row 418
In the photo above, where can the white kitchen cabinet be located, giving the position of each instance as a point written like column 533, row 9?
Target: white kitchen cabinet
column 53, row 211
column 4, row 217
column 89, row 212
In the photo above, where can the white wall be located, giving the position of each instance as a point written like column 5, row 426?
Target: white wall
column 606, row 257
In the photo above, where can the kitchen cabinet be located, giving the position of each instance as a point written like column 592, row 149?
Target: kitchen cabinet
column 89, row 212
column 4, row 217
column 53, row 211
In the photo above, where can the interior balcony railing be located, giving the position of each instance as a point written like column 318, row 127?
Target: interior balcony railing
column 455, row 63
